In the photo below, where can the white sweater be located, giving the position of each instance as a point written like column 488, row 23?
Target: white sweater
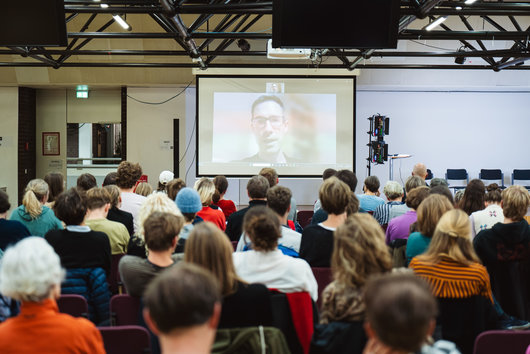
column 484, row 219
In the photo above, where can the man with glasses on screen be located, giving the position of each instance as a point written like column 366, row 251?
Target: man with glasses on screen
column 269, row 126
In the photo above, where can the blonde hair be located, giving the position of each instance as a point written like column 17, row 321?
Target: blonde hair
column 114, row 194
column 515, row 202
column 206, row 189
column 452, row 239
column 144, row 189
column 334, row 195
column 359, row 251
column 430, row 211
column 155, row 202
column 35, row 192
column 208, row 247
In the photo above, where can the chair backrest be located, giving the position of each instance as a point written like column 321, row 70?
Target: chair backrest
column 459, row 175
column 304, row 217
column 114, row 279
column 126, row 340
column 125, row 310
column 521, row 175
column 429, row 175
column 490, row 176
column 74, row 305
column 494, row 342
column 323, row 277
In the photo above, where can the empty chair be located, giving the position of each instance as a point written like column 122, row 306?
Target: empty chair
column 114, row 280
column 459, row 175
column 521, row 175
column 492, row 176
column 494, row 342
column 126, row 340
column 304, row 217
column 324, row 277
column 74, row 305
column 125, row 310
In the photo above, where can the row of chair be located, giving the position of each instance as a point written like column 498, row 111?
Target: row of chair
column 487, row 175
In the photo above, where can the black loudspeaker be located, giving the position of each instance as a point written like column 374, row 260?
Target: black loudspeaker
column 176, row 147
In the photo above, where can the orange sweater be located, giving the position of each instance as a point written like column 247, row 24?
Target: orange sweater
column 40, row 328
column 449, row 279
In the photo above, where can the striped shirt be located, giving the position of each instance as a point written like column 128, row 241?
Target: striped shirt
column 382, row 212
column 449, row 279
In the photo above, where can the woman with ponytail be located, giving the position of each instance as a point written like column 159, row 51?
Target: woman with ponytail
column 38, row 218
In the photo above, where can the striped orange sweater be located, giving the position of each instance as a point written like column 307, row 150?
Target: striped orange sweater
column 449, row 279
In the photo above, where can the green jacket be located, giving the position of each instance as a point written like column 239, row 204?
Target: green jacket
column 244, row 340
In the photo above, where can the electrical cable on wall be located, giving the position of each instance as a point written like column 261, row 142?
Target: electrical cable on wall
column 165, row 101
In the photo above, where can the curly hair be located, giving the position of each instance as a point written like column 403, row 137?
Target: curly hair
column 263, row 227
column 127, row 174
column 416, row 196
column 270, row 174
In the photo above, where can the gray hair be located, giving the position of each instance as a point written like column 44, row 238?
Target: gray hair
column 439, row 182
column 393, row 190
column 29, row 270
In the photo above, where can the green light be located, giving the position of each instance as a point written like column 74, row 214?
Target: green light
column 81, row 94
column 82, row 88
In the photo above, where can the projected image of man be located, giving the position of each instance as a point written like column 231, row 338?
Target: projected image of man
column 269, row 125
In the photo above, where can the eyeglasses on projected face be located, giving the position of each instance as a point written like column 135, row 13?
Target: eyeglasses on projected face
column 276, row 122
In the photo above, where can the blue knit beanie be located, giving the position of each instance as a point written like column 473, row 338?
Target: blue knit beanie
column 188, row 201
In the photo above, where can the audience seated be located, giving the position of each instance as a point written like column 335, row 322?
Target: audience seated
column 86, row 181
column 399, row 228
column 243, row 304
column 110, row 179
column 189, row 203
column 429, row 213
column 279, row 200
column 485, row 219
column 11, row 231
column 350, row 179
column 401, row 317
column 33, row 214
column 182, row 307
column 98, row 205
column 160, row 232
column 272, row 176
column 174, row 186
column 394, row 194
column 163, row 179
column 84, row 253
column 411, row 183
column 370, row 200
column 56, row 183
column 206, row 189
column 328, row 172
column 257, row 188
column 115, row 213
column 265, row 263
column 227, row 206
column 473, row 198
column 128, row 174
column 359, row 252
column 144, row 189
column 317, row 240
column 31, row 273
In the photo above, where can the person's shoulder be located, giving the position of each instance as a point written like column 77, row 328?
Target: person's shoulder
column 287, row 231
column 54, row 234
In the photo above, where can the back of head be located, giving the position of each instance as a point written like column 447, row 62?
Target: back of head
column 164, row 178
column 401, row 310
column 160, row 230
column 413, row 182
column 70, row 207
column 221, row 184
column 55, row 181
column 493, row 193
column 207, row 246
column 419, row 170
column 86, row 181
column 36, row 191
column 97, row 198
column 174, row 186
column 144, row 189
column 353, row 205
column 372, row 183
column 4, row 202
column 127, row 174
column 279, row 199
column 443, row 190
column 110, row 179
column 359, row 251
column 30, row 270
column 155, row 202
column 473, row 199
column 270, row 174
column 438, row 182
column 182, row 297
column 393, row 190
column 328, row 172
column 334, row 195
column 452, row 239
column 206, row 189
column 189, row 202
column 114, row 194
column 416, row 196
column 347, row 177
column 257, row 187
column 515, row 202
column 430, row 211
column 263, row 228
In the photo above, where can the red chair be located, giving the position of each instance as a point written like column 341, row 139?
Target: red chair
column 126, row 340
column 494, row 342
column 74, row 305
column 114, row 280
column 304, row 217
column 125, row 310
column 323, row 277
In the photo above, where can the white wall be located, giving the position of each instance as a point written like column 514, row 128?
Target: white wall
column 9, row 143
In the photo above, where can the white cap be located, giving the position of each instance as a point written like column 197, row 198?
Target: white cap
column 165, row 177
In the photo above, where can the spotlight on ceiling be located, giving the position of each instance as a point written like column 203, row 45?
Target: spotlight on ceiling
column 243, row 44
column 435, row 23
column 461, row 59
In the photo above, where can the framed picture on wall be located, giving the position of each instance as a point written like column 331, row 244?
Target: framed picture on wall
column 51, row 144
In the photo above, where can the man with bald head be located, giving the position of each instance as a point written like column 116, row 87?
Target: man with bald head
column 420, row 170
